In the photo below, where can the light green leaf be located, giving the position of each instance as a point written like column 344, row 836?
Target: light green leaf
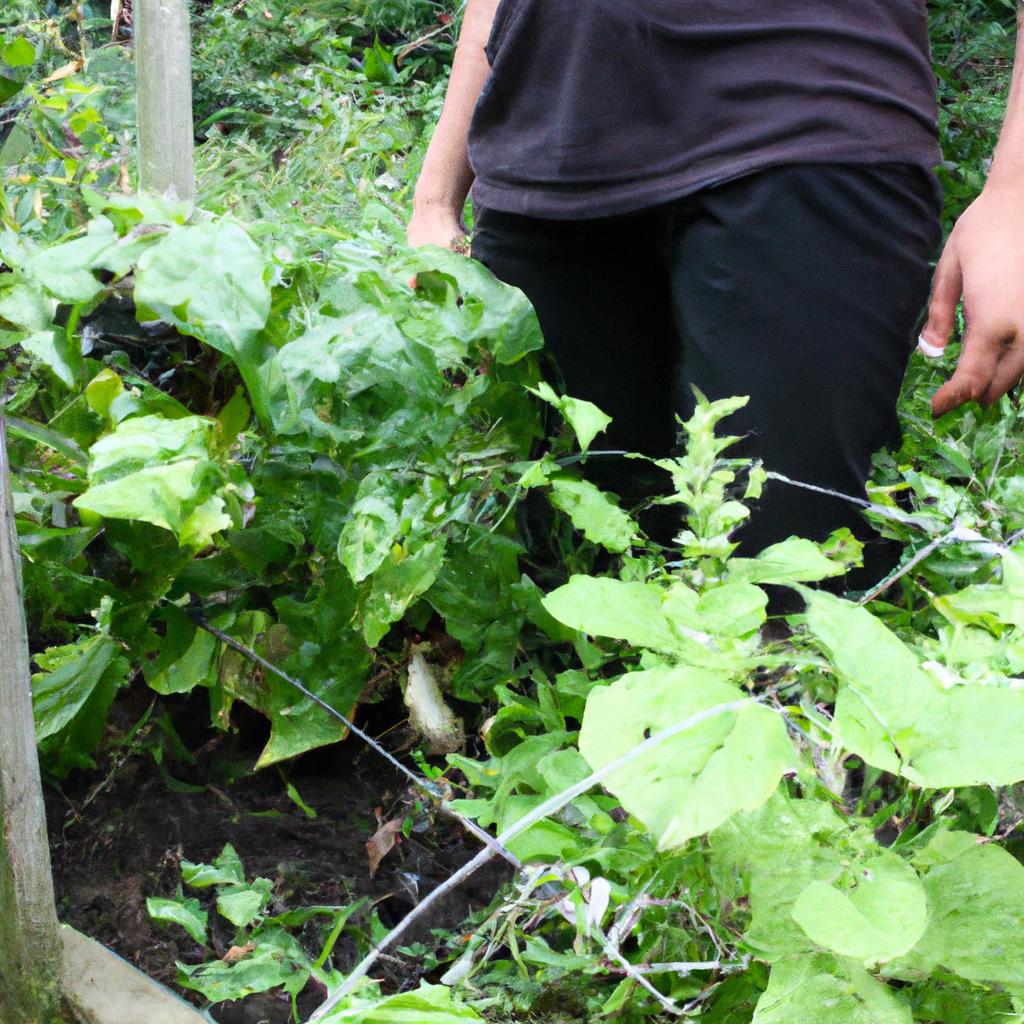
column 693, row 782
column 67, row 270
column 101, row 391
column 241, row 904
column 54, row 351
column 600, row 606
column 731, row 609
column 880, row 913
column 194, row 668
column 148, row 441
column 819, row 989
column 396, row 584
column 976, row 907
column 157, row 495
column 26, row 305
column 480, row 310
column 19, row 53
column 594, row 513
column 770, row 856
column 277, row 962
column 585, row 418
column 367, row 538
column 186, row 913
column 429, row 1004
column 898, row 718
column 989, row 604
column 156, row 470
column 225, row 870
column 203, row 523
column 208, row 281
column 793, row 561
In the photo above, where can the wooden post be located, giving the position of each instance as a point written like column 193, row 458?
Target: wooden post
column 30, row 944
column 163, row 68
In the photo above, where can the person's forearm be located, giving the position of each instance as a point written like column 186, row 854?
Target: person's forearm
column 1008, row 161
column 446, row 176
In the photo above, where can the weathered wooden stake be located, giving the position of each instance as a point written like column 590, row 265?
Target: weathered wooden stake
column 30, row 945
column 163, row 68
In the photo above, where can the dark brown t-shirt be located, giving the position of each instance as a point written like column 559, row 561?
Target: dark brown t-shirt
column 597, row 107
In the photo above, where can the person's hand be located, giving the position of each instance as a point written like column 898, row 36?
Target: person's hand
column 983, row 263
column 437, row 225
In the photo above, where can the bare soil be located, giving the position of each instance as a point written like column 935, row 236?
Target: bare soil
column 118, row 835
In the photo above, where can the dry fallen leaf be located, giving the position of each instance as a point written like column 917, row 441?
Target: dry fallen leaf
column 236, row 953
column 382, row 842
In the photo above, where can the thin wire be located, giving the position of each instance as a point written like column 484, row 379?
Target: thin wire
column 430, row 788
column 247, row 652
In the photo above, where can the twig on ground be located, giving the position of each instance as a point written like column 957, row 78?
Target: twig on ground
column 539, row 813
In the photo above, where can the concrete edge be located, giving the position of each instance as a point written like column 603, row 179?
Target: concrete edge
column 102, row 988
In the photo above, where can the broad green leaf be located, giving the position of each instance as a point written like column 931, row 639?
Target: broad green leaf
column 396, row 584
column 793, row 561
column 26, row 305
column 70, row 676
column 594, row 513
column 156, row 470
column 368, row 537
column 898, row 718
column 241, row 904
column 225, row 870
column 101, row 391
column 19, row 53
column 820, row 989
column 208, row 281
column 194, row 667
column 730, row 609
column 55, row 352
column 148, row 441
column 203, row 523
column 67, row 271
column 976, row 909
column 429, row 1004
column 989, row 605
column 600, row 606
column 186, row 913
column 479, row 310
column 278, row 961
column 161, row 495
column 770, row 856
column 317, row 641
column 878, row 914
column 693, row 782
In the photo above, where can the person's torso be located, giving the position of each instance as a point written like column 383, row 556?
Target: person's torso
column 597, row 106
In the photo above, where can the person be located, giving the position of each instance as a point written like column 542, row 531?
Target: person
column 737, row 195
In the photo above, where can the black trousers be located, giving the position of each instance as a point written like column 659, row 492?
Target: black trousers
column 800, row 286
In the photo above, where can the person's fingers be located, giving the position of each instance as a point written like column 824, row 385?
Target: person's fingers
column 982, row 351
column 1007, row 376
column 947, row 287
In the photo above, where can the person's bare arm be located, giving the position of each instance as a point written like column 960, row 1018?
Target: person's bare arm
column 983, row 263
column 446, row 177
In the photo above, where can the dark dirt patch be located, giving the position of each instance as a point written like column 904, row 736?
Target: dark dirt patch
column 115, row 843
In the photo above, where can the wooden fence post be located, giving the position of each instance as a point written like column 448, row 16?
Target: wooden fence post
column 163, row 68
column 30, row 945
